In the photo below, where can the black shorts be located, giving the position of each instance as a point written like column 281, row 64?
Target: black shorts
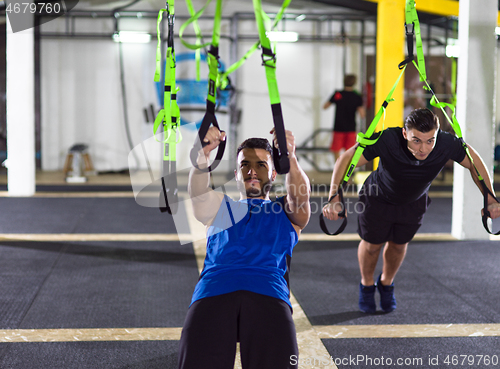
column 380, row 222
column 262, row 324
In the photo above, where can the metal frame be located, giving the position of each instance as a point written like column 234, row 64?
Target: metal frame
column 363, row 39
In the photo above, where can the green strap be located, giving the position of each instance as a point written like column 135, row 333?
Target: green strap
column 412, row 18
column 268, row 56
column 413, row 28
column 456, row 127
column 280, row 152
column 169, row 115
column 199, row 36
column 158, row 46
column 222, row 80
column 223, row 76
column 364, row 138
column 172, row 132
column 213, row 54
column 454, row 81
column 194, row 19
column 453, row 121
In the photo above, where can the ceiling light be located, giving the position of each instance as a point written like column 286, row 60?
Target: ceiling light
column 132, row 37
column 300, row 18
column 277, row 36
column 452, row 48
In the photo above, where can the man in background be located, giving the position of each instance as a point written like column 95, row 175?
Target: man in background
column 348, row 102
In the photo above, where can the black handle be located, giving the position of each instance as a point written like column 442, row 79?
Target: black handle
column 169, row 190
column 486, row 213
column 280, row 154
column 208, row 120
column 342, row 215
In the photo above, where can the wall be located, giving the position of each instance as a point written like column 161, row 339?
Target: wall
column 82, row 102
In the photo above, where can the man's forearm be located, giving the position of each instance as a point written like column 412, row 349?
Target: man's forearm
column 297, row 183
column 339, row 172
column 481, row 167
column 199, row 181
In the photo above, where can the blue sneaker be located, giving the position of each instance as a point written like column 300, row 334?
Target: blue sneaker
column 387, row 299
column 367, row 299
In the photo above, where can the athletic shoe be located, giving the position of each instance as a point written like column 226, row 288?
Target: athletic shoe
column 367, row 299
column 387, row 299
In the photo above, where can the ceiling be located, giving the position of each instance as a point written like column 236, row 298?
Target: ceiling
column 353, row 7
column 233, row 6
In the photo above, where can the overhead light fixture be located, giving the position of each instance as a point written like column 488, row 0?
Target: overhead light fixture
column 277, row 36
column 300, row 18
column 132, row 37
column 452, row 48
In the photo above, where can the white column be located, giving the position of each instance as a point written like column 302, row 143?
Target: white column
column 20, row 112
column 475, row 108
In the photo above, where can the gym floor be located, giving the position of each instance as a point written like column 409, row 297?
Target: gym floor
column 90, row 279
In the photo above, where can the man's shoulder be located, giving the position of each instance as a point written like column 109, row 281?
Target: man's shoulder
column 394, row 130
column 447, row 139
column 447, row 135
column 388, row 134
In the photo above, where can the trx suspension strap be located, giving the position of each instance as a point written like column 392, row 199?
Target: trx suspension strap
column 458, row 132
column 411, row 17
column 169, row 115
column 223, row 77
column 363, row 141
column 454, row 123
column 221, row 80
column 197, row 31
column 280, row 154
column 213, row 64
column 412, row 27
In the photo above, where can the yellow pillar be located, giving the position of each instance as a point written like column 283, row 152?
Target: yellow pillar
column 391, row 50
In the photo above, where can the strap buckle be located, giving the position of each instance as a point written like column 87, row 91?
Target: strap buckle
column 410, row 32
column 410, row 29
column 271, row 57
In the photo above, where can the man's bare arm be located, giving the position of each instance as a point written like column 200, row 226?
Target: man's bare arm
column 493, row 205
column 332, row 209
column 205, row 201
column 298, row 188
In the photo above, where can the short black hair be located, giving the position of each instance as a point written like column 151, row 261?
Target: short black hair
column 255, row 143
column 423, row 120
column 350, row 80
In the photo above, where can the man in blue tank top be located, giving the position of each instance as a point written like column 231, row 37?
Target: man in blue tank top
column 243, row 291
column 395, row 196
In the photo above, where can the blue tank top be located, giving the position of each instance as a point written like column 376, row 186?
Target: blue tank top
column 249, row 247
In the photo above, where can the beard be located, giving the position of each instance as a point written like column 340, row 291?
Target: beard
column 253, row 192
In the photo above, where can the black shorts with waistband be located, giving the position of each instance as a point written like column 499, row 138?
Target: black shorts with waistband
column 380, row 221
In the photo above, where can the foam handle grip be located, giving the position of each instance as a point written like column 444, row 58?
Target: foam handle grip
column 280, row 154
column 208, row 119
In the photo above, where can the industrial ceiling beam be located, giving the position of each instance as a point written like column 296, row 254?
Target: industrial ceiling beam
column 446, row 8
column 437, row 7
